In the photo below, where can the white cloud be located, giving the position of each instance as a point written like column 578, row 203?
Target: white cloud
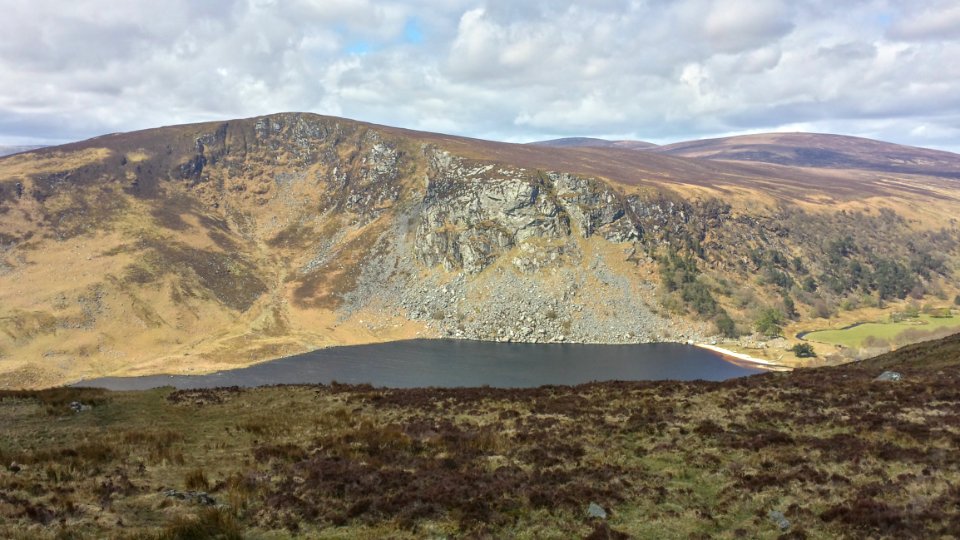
column 655, row 69
column 742, row 25
column 932, row 22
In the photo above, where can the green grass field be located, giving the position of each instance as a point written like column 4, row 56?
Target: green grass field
column 891, row 333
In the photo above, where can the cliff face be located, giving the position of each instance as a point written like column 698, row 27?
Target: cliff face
column 211, row 245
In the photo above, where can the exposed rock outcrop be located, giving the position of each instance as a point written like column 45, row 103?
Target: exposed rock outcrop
column 247, row 239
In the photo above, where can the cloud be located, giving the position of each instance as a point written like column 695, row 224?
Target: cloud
column 738, row 25
column 929, row 23
column 655, row 69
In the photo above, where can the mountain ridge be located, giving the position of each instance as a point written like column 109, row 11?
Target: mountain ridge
column 207, row 246
column 579, row 142
column 821, row 150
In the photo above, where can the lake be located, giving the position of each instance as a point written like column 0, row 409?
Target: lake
column 454, row 363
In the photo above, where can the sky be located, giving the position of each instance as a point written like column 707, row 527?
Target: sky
column 512, row 70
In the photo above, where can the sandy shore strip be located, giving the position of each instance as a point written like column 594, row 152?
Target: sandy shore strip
column 745, row 359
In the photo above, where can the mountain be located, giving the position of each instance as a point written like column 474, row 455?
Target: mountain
column 589, row 142
column 8, row 150
column 821, row 150
column 207, row 246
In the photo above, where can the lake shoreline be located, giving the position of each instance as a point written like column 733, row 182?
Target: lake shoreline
column 737, row 358
column 464, row 363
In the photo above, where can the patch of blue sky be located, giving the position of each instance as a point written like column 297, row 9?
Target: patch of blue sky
column 412, row 32
column 358, row 47
column 884, row 19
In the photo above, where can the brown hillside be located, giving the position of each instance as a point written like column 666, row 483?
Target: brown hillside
column 207, row 246
column 590, row 142
column 826, row 453
column 818, row 150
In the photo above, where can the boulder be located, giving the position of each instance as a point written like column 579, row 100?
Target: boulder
column 196, row 497
column 779, row 519
column 594, row 510
column 891, row 376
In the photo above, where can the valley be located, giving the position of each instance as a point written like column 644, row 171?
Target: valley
column 204, row 247
column 488, row 269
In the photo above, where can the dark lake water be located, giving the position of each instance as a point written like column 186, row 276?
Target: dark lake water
column 453, row 363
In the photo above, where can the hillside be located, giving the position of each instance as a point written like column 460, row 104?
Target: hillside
column 208, row 246
column 821, row 151
column 820, row 453
column 590, row 142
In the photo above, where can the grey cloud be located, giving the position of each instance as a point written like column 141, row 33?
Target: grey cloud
column 849, row 51
column 740, row 25
column 651, row 69
column 928, row 23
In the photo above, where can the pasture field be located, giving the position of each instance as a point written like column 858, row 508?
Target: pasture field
column 888, row 333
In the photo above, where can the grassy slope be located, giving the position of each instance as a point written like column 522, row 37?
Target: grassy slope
column 839, row 454
column 854, row 337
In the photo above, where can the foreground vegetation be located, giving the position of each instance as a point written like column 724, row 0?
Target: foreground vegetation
column 820, row 453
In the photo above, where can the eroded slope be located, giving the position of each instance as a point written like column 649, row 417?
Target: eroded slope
column 205, row 246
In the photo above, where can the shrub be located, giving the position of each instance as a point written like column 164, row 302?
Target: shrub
column 789, row 307
column 803, row 350
column 725, row 325
column 917, row 292
column 744, row 297
column 778, row 278
column 677, row 270
column 956, row 300
column 822, row 309
column 893, row 279
column 769, row 321
column 698, row 296
column 849, row 304
column 672, row 303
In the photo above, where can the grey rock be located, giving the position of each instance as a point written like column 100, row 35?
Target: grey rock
column 77, row 407
column 891, row 376
column 779, row 519
column 195, row 497
column 496, row 251
column 596, row 511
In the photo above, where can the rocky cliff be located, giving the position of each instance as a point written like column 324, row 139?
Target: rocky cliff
column 205, row 246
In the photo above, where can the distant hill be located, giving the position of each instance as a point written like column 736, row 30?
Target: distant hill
column 8, row 150
column 590, row 142
column 820, row 151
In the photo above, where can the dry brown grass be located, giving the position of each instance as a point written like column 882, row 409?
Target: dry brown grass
column 839, row 454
